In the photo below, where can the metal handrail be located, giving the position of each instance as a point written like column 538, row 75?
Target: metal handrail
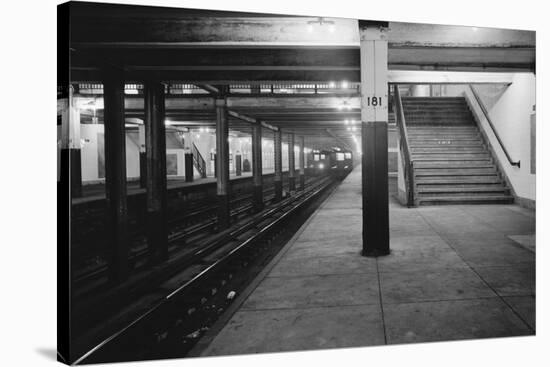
column 486, row 113
column 404, row 147
column 199, row 161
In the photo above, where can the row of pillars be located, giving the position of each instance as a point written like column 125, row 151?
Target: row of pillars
column 374, row 117
column 153, row 163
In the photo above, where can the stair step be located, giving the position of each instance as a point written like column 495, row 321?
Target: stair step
column 443, row 136
column 433, row 99
column 434, row 134
column 456, row 171
column 459, row 180
column 452, row 157
column 449, row 149
column 436, row 146
column 457, row 189
column 414, row 138
column 444, row 142
column 443, row 115
column 441, row 108
column 428, row 130
column 430, row 158
column 448, row 179
column 436, row 122
column 435, row 131
column 452, row 165
column 465, row 199
column 449, row 129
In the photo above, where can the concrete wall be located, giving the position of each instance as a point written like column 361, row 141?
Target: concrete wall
column 93, row 154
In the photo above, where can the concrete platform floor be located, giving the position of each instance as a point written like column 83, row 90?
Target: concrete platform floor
column 455, row 272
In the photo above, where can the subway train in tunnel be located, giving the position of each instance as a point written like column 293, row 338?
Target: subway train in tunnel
column 337, row 163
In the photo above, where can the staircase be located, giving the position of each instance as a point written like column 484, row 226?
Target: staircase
column 452, row 164
column 198, row 161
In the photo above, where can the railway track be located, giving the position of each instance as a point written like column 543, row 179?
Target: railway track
column 194, row 225
column 173, row 324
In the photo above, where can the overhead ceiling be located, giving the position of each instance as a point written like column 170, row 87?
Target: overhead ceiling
column 220, row 48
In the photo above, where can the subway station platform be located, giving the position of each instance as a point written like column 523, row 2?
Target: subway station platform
column 96, row 191
column 454, row 272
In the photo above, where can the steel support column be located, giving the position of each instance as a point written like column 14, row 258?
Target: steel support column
column 291, row 165
column 238, row 164
column 115, row 174
column 155, row 148
column 278, row 177
column 70, row 144
column 258, row 200
column 222, row 163
column 302, row 164
column 188, row 163
column 142, row 157
column 374, row 133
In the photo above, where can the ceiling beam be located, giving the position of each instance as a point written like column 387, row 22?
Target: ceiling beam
column 155, row 26
column 251, row 120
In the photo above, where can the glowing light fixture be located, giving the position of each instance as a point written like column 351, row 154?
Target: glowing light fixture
column 344, row 84
column 344, row 106
column 321, row 21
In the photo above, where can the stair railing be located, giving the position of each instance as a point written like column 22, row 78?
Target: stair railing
column 198, row 161
column 486, row 113
column 404, row 148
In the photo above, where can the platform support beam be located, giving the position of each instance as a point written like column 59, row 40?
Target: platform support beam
column 155, row 147
column 302, row 164
column 142, row 157
column 278, row 177
column 115, row 174
column 291, row 165
column 238, row 163
column 222, row 163
column 374, row 133
column 188, row 164
column 70, row 143
column 258, row 199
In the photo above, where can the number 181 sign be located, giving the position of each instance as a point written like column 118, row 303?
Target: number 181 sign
column 375, row 108
column 374, row 101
